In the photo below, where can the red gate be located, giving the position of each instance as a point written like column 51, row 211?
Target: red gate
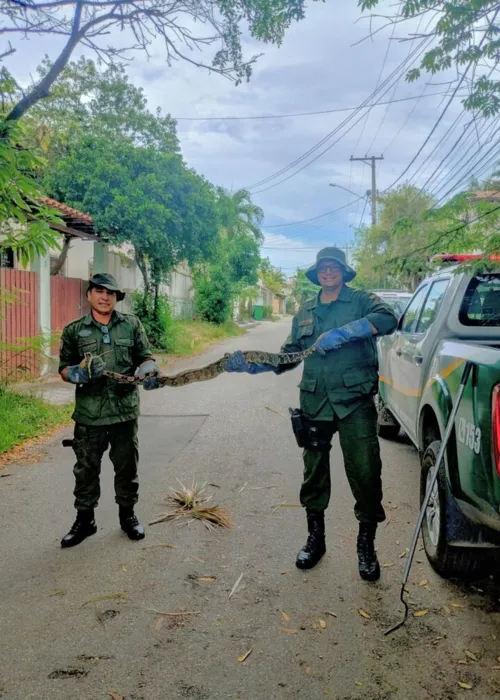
column 68, row 301
column 19, row 328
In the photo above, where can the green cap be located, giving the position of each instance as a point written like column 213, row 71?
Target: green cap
column 335, row 254
column 103, row 279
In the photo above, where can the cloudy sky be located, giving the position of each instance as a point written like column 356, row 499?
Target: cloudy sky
column 318, row 68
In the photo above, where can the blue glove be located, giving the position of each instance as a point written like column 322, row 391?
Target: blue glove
column 87, row 371
column 147, row 367
column 236, row 362
column 334, row 339
column 151, row 383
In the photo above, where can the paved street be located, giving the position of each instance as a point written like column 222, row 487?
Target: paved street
column 80, row 624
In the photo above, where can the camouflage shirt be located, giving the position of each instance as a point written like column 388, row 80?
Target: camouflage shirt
column 104, row 401
column 339, row 381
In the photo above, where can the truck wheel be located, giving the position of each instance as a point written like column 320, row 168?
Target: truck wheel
column 447, row 561
column 388, row 432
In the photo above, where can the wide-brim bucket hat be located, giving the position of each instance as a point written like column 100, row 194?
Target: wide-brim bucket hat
column 103, row 279
column 338, row 256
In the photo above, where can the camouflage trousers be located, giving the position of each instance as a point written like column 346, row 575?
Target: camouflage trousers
column 361, row 452
column 89, row 445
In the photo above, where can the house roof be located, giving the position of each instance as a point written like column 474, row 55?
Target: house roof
column 77, row 223
column 486, row 196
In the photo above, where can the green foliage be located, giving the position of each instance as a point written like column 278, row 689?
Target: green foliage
column 23, row 218
column 156, row 317
column 140, row 195
column 272, row 277
column 238, row 215
column 466, row 35
column 23, row 417
column 213, row 297
column 303, row 289
column 88, row 101
column 192, row 337
column 268, row 312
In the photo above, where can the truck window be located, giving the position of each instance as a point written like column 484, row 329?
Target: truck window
column 410, row 318
column 481, row 302
column 431, row 306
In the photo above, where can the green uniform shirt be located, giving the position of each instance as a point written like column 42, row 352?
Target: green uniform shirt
column 104, row 401
column 338, row 382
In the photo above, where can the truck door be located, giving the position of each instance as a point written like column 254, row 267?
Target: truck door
column 396, row 382
column 416, row 348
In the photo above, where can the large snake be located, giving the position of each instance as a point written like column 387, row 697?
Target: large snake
column 214, row 368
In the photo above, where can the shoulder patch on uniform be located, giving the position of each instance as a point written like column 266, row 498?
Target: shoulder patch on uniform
column 306, row 322
column 84, row 333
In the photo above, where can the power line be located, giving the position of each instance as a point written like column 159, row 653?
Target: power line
column 346, row 121
column 314, row 218
column 305, row 114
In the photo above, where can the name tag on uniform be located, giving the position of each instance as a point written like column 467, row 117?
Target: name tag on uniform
column 307, row 322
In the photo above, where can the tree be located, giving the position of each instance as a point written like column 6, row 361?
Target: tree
column 143, row 196
column 272, row 277
column 86, row 100
column 303, row 289
column 183, row 26
column 24, row 220
column 239, row 215
column 464, row 35
column 398, row 251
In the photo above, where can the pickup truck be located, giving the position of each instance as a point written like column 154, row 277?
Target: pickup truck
column 453, row 316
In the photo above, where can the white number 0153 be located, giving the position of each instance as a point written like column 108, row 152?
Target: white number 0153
column 469, row 435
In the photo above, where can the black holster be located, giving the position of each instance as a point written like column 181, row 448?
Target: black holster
column 308, row 433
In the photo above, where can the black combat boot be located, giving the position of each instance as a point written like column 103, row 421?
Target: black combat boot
column 315, row 546
column 130, row 524
column 369, row 568
column 83, row 527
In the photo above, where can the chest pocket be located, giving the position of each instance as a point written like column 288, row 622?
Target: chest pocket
column 123, row 350
column 305, row 335
column 86, row 345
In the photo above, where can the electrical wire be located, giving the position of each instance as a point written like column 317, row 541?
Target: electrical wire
column 327, row 137
column 314, row 218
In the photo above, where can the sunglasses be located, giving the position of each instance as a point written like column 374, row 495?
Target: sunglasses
column 328, row 268
column 105, row 335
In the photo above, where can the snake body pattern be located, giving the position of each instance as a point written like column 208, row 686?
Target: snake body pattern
column 213, row 369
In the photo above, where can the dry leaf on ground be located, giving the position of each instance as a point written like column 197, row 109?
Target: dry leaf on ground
column 388, row 565
column 466, row 686
column 116, row 696
column 458, row 605
column 420, row 613
column 364, row 614
column 207, row 579
column 404, row 552
column 244, row 656
column 328, row 612
column 322, row 624
column 290, row 630
column 471, row 655
column 423, row 583
column 446, row 609
column 286, row 617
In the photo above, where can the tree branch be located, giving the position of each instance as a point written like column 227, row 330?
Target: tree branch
column 42, row 89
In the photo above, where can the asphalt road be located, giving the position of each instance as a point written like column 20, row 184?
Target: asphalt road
column 81, row 623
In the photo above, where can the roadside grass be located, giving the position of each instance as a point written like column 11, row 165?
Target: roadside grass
column 185, row 338
column 24, row 417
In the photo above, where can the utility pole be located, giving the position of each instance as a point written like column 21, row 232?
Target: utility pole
column 372, row 161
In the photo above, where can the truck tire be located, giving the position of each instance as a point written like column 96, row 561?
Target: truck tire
column 446, row 560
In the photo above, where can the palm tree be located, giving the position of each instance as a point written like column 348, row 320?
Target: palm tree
column 239, row 215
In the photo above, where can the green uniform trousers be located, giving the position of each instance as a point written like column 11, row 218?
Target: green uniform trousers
column 361, row 451
column 89, row 444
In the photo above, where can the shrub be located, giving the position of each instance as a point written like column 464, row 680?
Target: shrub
column 159, row 324
column 268, row 312
column 213, row 298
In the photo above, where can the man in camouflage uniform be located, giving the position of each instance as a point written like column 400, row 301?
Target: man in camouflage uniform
column 105, row 412
column 337, row 395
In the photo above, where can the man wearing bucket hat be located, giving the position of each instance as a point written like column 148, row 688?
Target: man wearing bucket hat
column 105, row 412
column 337, row 395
